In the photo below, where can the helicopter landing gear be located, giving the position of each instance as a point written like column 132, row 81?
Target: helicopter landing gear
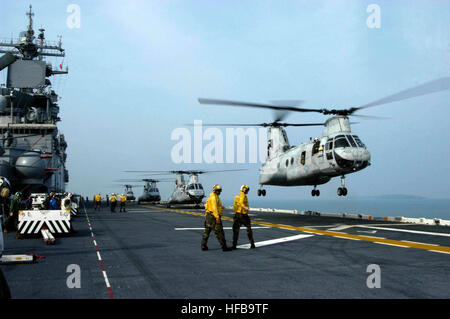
column 315, row 192
column 261, row 192
column 342, row 191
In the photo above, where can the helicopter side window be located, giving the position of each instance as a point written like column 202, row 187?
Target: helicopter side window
column 349, row 137
column 287, row 163
column 200, row 186
column 302, row 158
column 341, row 142
column 316, row 146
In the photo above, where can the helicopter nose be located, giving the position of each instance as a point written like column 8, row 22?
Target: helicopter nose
column 362, row 155
column 361, row 159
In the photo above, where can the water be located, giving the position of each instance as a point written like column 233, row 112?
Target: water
column 377, row 207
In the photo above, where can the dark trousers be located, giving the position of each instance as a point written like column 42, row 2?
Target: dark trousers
column 122, row 207
column 211, row 224
column 113, row 207
column 98, row 205
column 238, row 221
column 12, row 222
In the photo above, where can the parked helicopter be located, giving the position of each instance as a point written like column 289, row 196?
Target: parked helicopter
column 150, row 192
column 128, row 191
column 337, row 152
column 185, row 192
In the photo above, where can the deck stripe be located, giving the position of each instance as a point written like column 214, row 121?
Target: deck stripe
column 275, row 241
column 105, row 276
column 423, row 246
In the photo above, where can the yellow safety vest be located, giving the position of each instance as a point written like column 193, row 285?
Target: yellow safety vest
column 241, row 201
column 214, row 205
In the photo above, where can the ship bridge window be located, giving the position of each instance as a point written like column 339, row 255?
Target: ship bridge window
column 341, row 142
column 358, row 141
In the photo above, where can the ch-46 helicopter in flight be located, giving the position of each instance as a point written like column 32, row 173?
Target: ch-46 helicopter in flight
column 186, row 192
column 338, row 152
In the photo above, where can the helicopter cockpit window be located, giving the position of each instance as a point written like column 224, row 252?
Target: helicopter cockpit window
column 200, row 186
column 329, row 145
column 358, row 141
column 349, row 137
column 341, row 142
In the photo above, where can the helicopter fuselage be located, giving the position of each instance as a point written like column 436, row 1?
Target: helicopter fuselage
column 191, row 193
column 337, row 153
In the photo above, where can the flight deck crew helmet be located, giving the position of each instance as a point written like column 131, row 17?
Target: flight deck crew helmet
column 18, row 194
column 217, row 188
column 245, row 189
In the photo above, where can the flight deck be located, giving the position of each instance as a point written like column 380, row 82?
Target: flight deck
column 154, row 252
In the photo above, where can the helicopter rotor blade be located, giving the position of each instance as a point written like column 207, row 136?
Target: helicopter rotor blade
column 256, row 105
column 438, row 85
column 182, row 172
column 370, row 117
column 275, row 124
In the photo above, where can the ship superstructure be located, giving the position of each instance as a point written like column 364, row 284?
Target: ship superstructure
column 32, row 152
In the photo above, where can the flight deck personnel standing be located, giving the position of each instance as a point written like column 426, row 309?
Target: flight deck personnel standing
column 241, row 217
column 113, row 201
column 213, row 215
column 13, row 217
column 97, row 202
column 123, row 200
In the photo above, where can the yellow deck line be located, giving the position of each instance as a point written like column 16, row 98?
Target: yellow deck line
column 429, row 247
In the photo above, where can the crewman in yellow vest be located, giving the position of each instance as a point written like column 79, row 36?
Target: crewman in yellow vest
column 97, row 202
column 213, row 219
column 113, row 201
column 241, row 216
column 123, row 200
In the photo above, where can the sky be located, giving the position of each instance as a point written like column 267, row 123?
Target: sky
column 137, row 69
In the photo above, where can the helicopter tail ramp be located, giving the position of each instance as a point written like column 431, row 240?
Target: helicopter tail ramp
column 46, row 222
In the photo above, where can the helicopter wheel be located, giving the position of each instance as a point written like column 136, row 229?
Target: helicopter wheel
column 342, row 191
column 263, row 192
column 259, row 192
column 315, row 192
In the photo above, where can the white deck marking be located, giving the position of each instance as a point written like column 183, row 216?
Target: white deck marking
column 405, row 230
column 275, row 241
column 203, row 228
